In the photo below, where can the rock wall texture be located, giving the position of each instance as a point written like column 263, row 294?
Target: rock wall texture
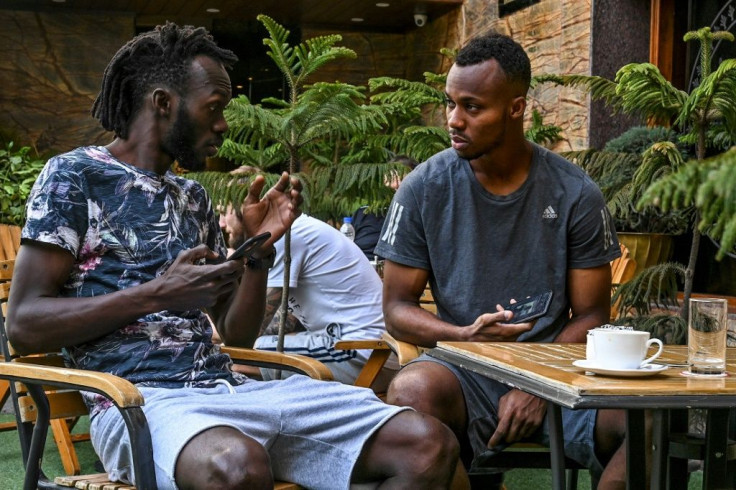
column 51, row 71
column 53, row 63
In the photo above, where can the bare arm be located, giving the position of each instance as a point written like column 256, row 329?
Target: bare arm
column 239, row 317
column 407, row 321
column 590, row 298
column 272, row 318
column 40, row 321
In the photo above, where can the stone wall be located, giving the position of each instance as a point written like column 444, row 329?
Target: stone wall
column 556, row 36
column 392, row 55
column 53, row 63
column 52, row 67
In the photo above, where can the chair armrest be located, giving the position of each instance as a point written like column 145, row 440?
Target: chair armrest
column 122, row 392
column 405, row 352
column 279, row 360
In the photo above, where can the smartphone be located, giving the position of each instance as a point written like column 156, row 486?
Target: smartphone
column 529, row 308
column 247, row 248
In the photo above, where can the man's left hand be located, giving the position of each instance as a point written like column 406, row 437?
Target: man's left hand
column 519, row 416
column 275, row 212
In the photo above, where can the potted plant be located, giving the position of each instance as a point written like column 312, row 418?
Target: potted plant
column 623, row 171
column 706, row 116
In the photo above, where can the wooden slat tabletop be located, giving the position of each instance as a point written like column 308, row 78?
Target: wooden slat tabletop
column 548, row 369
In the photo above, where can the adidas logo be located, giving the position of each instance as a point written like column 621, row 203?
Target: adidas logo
column 549, row 213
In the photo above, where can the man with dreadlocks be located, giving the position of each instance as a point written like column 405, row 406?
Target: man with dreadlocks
column 131, row 255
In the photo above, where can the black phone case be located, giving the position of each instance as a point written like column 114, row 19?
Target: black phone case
column 530, row 308
column 247, row 247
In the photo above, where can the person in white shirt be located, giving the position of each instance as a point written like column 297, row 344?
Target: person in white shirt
column 334, row 294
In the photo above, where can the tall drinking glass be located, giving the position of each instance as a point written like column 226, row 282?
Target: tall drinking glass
column 706, row 342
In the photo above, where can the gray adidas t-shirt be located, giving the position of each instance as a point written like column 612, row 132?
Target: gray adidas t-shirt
column 482, row 249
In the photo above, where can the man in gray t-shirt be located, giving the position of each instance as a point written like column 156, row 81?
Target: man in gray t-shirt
column 496, row 218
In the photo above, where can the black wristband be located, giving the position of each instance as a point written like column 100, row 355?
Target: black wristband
column 262, row 264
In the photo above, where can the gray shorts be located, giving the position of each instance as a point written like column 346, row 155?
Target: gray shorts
column 481, row 399
column 313, row 430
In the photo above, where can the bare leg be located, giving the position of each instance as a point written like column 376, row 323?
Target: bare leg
column 610, row 437
column 412, row 450
column 433, row 389
column 223, row 458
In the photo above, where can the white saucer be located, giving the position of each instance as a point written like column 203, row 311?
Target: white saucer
column 646, row 370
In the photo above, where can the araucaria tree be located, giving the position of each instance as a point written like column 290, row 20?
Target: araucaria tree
column 288, row 130
column 706, row 117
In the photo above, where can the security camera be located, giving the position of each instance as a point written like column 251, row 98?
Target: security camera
column 420, row 20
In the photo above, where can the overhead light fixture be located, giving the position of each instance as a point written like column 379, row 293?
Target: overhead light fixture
column 213, row 10
column 58, row 1
column 357, row 19
column 383, row 4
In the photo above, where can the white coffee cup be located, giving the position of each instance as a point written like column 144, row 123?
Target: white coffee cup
column 620, row 348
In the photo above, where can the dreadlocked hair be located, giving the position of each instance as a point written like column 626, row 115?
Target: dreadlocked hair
column 161, row 56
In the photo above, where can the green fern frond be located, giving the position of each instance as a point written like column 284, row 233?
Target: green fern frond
column 227, row 189
column 706, row 38
column 711, row 186
column 245, row 154
column 436, row 80
column 247, row 121
column 404, row 92
column 540, row 133
column 599, row 88
column 279, row 49
column 670, row 329
column 713, row 99
column 656, row 285
column 659, row 160
column 644, row 91
column 419, row 142
column 316, row 52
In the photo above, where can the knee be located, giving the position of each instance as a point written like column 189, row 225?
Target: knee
column 241, row 466
column 232, row 461
column 426, row 387
column 434, row 451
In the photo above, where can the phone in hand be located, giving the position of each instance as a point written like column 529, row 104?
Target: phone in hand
column 247, row 248
column 530, row 308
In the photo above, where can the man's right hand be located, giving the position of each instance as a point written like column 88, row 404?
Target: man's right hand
column 490, row 327
column 188, row 284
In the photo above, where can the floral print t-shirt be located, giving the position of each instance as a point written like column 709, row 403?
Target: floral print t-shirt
column 124, row 227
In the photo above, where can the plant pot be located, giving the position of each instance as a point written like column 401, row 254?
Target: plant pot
column 647, row 249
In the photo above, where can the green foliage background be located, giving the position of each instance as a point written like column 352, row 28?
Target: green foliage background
column 18, row 171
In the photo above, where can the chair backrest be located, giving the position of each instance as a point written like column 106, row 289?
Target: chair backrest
column 623, row 270
column 64, row 404
column 426, row 300
column 9, row 241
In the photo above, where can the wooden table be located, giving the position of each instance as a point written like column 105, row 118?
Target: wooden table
column 546, row 370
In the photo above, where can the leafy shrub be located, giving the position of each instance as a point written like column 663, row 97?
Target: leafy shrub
column 18, row 171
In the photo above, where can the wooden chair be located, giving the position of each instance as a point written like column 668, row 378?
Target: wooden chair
column 43, row 390
column 623, row 270
column 60, row 427
column 9, row 244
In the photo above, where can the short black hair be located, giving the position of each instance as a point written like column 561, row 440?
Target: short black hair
column 507, row 52
column 162, row 55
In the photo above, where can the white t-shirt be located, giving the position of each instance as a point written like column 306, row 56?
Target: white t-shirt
column 330, row 281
